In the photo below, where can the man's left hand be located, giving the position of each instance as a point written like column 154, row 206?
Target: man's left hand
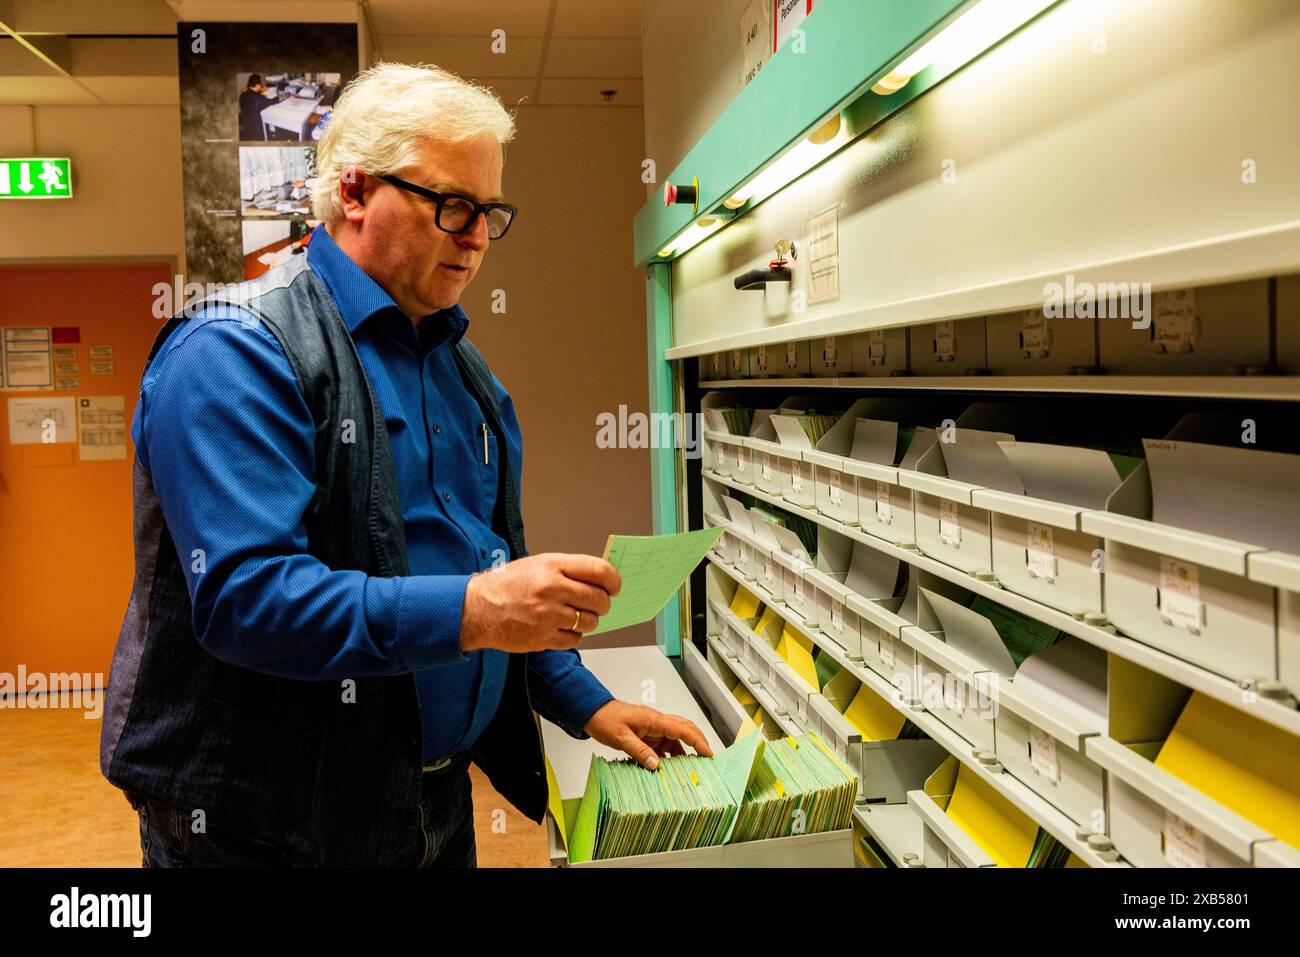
column 645, row 733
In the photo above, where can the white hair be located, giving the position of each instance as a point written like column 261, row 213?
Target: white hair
column 388, row 113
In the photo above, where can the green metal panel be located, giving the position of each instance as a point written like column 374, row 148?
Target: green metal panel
column 663, row 465
column 849, row 45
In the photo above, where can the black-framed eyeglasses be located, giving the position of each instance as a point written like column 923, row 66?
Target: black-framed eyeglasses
column 457, row 214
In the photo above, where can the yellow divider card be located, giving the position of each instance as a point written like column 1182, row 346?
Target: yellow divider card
column 873, row 716
column 1248, row 766
column 796, row 649
column 1002, row 830
column 745, row 603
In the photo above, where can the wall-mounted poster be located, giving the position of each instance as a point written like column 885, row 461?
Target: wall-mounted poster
column 255, row 98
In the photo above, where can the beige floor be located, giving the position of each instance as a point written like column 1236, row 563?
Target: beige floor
column 58, row 811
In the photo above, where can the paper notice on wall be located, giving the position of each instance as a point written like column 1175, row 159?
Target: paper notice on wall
column 69, row 384
column 101, row 368
column 755, row 40
column 42, row 421
column 787, row 15
column 65, row 353
column 823, row 250
column 28, row 362
column 101, row 352
column 103, row 427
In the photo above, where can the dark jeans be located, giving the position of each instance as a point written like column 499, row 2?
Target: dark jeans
column 446, row 836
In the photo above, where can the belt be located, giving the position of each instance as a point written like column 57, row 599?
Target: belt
column 443, row 764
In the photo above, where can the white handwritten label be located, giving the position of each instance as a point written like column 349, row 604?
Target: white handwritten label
column 1184, row 844
column 837, row 616
column 1042, row 755
column 887, row 657
column 1180, row 594
column 1039, row 551
column 798, row 587
column 945, row 343
column 828, row 351
column 1033, row 331
column 737, row 360
column 769, row 570
column 796, row 477
column 884, row 511
column 767, row 467
column 791, row 355
column 949, row 524
column 1173, row 317
column 761, row 356
column 876, row 346
column 837, row 496
column 722, row 457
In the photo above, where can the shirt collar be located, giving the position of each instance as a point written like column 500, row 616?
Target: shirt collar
column 357, row 296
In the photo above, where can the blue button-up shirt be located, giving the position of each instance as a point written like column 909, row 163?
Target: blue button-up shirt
column 230, row 444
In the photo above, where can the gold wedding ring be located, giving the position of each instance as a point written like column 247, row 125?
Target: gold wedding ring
column 577, row 617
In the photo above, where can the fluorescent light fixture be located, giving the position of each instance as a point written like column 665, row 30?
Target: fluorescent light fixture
column 800, row 158
column 983, row 25
column 697, row 231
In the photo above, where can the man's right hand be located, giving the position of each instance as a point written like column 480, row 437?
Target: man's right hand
column 530, row 604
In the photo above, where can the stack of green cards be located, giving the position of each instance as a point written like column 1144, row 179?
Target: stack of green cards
column 753, row 790
column 799, row 787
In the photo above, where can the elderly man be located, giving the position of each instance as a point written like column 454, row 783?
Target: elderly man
column 334, row 611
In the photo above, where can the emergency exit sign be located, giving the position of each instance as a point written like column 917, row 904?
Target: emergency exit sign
column 31, row 177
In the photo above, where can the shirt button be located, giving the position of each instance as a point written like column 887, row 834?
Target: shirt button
column 446, row 496
column 437, row 429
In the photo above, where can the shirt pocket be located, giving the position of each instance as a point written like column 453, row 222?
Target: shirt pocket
column 487, row 474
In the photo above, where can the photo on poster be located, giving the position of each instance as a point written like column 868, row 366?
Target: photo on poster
column 276, row 181
column 270, row 242
column 285, row 105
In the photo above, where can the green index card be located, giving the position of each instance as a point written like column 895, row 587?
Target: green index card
column 653, row 568
column 582, row 845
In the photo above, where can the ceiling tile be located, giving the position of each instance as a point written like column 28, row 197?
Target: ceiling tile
column 17, row 60
column 511, row 90
column 598, row 18
column 135, row 90
column 523, row 18
column 467, row 56
column 591, row 57
column 93, row 16
column 586, row 92
column 136, row 57
column 44, row 91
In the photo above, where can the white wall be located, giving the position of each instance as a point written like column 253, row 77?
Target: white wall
column 126, row 183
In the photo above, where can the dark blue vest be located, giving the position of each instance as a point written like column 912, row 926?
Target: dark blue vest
column 333, row 779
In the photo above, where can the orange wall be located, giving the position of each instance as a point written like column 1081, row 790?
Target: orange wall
column 65, row 529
